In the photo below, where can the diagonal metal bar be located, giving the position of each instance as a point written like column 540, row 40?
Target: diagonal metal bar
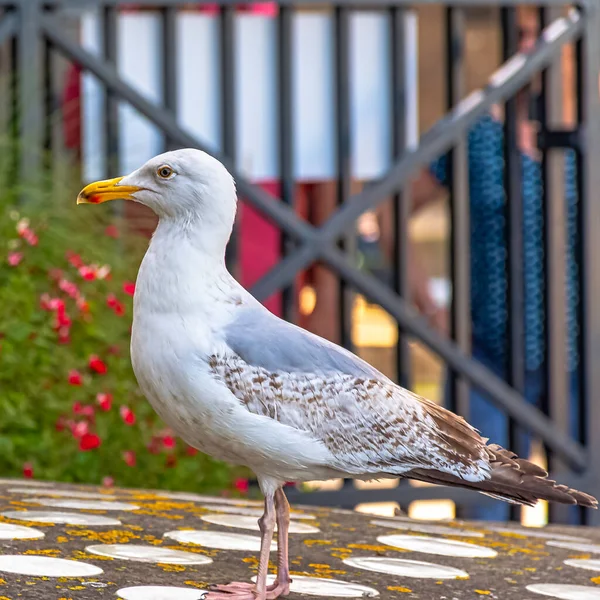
column 447, row 132
column 499, row 391
column 278, row 212
column 8, row 26
column 503, row 84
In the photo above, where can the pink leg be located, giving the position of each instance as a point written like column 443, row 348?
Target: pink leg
column 282, row 510
column 248, row 591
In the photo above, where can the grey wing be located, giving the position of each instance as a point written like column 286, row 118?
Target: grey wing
column 370, row 425
column 265, row 341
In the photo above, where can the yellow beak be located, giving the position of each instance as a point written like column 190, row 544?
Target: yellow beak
column 102, row 191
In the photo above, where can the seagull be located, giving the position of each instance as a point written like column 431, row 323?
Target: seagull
column 240, row 384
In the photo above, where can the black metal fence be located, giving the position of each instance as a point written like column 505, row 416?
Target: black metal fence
column 32, row 29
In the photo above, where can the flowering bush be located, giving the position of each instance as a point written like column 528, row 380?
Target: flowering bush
column 70, row 406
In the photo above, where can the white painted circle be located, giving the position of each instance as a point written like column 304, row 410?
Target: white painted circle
column 245, row 522
column 63, row 493
column 52, row 518
column 149, row 554
column 592, row 548
column 29, row 482
column 84, row 504
column 247, row 510
column 404, row 568
column 439, row 546
column 584, row 563
column 45, row 566
column 210, row 499
column 564, row 591
column 159, row 592
column 329, row 588
column 537, row 532
column 220, row 540
column 18, row 532
column 427, row 528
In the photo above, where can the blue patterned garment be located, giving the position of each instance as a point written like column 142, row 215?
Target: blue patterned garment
column 489, row 287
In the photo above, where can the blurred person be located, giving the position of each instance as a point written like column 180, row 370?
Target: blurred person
column 488, row 252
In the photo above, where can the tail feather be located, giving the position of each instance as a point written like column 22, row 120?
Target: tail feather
column 505, row 476
column 513, row 480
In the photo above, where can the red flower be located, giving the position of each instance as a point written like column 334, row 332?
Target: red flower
column 63, row 335
column 168, row 441
column 77, row 406
column 112, row 231
column 55, row 274
column 119, row 309
column 129, row 458
column 191, row 451
column 56, row 304
column 82, row 304
column 89, row 441
column 104, row 400
column 97, row 365
column 28, row 470
column 75, row 377
column 88, row 273
column 241, row 485
column 129, row 288
column 60, row 424
column 69, row 288
column 74, row 259
column 14, row 258
column 127, row 415
column 170, row 461
column 111, row 300
column 30, row 237
column 79, row 429
column 108, row 481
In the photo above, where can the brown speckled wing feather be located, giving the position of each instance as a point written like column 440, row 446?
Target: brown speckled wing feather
column 370, row 426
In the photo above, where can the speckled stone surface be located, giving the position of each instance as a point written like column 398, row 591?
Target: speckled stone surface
column 521, row 560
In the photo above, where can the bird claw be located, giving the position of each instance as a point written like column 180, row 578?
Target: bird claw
column 245, row 591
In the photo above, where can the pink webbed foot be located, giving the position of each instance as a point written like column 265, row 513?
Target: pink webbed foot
column 246, row 591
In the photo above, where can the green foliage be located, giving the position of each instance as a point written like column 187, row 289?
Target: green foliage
column 66, row 276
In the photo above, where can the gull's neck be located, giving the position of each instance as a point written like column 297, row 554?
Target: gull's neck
column 184, row 269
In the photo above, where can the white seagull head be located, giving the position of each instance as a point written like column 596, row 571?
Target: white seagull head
column 185, row 185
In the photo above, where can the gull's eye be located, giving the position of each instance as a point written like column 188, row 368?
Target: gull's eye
column 165, row 172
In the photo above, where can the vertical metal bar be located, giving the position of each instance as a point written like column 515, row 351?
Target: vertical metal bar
column 401, row 201
column 460, row 232
column 30, row 90
column 514, row 211
column 169, row 65
column 553, row 201
column 343, row 152
column 48, row 87
column 286, row 161
column 589, row 116
column 111, row 105
column 228, row 126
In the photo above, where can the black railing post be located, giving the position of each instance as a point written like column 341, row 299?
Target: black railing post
column 228, row 124
column 286, row 158
column 29, row 80
column 402, row 200
column 169, row 65
column 111, row 104
column 460, row 231
column 344, row 155
column 515, row 348
column 589, row 117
